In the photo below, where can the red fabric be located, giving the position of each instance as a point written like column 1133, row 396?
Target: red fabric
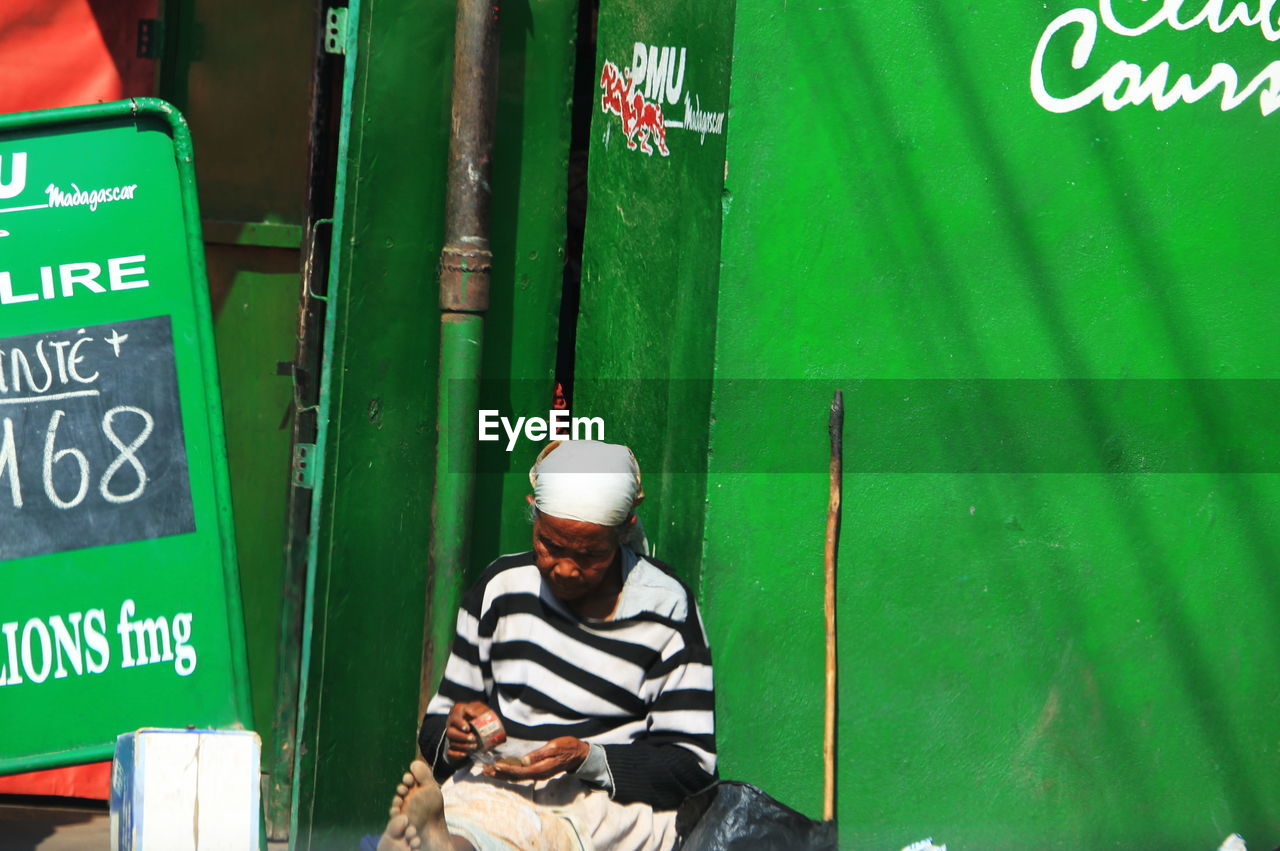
column 70, row 52
column 76, row 781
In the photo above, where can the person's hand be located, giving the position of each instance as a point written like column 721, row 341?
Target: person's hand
column 462, row 739
column 563, row 754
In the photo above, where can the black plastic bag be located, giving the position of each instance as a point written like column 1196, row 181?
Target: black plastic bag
column 732, row 816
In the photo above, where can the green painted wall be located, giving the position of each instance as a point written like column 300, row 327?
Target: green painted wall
column 1039, row 646
column 359, row 724
column 248, row 77
column 240, row 72
column 254, row 293
column 646, row 324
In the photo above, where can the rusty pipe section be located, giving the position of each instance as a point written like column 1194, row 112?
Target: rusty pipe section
column 465, row 260
column 465, row 263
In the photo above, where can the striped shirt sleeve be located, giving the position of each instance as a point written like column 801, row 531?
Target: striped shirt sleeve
column 676, row 757
column 467, row 676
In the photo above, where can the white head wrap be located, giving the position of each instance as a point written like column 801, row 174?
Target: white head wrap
column 589, row 481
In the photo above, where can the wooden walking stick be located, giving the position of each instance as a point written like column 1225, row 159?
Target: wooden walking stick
column 835, row 428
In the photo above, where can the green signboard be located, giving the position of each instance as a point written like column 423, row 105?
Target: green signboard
column 119, row 598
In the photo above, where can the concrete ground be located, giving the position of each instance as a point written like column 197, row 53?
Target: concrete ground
column 53, row 824
column 60, row 824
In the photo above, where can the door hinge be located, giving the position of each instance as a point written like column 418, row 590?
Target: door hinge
column 303, row 473
column 335, row 30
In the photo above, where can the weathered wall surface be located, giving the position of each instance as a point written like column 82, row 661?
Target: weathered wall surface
column 1056, row 598
column 1053, row 333
column 646, row 327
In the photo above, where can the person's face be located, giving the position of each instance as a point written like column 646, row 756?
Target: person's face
column 573, row 556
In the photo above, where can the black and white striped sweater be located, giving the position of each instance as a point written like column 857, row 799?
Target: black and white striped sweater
column 639, row 684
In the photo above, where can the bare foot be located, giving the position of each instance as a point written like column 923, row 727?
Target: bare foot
column 417, row 814
column 400, row 836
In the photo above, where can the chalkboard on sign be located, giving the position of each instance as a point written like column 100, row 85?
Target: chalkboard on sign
column 91, row 444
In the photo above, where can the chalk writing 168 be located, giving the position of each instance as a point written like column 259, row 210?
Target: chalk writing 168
column 111, row 482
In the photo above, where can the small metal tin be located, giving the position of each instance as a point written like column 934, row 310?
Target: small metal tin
column 489, row 730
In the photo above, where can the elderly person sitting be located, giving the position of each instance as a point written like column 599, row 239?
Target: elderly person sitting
column 594, row 658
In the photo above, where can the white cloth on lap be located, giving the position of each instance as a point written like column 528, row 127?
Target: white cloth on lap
column 560, row 814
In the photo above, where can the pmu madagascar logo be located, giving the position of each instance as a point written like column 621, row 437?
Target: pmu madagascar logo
column 13, row 182
column 636, row 95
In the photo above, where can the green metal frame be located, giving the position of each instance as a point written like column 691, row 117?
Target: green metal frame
column 154, row 108
column 351, row 54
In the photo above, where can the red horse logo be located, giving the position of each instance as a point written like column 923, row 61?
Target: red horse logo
column 641, row 120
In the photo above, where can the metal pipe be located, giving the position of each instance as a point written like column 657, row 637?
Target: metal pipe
column 465, row 263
